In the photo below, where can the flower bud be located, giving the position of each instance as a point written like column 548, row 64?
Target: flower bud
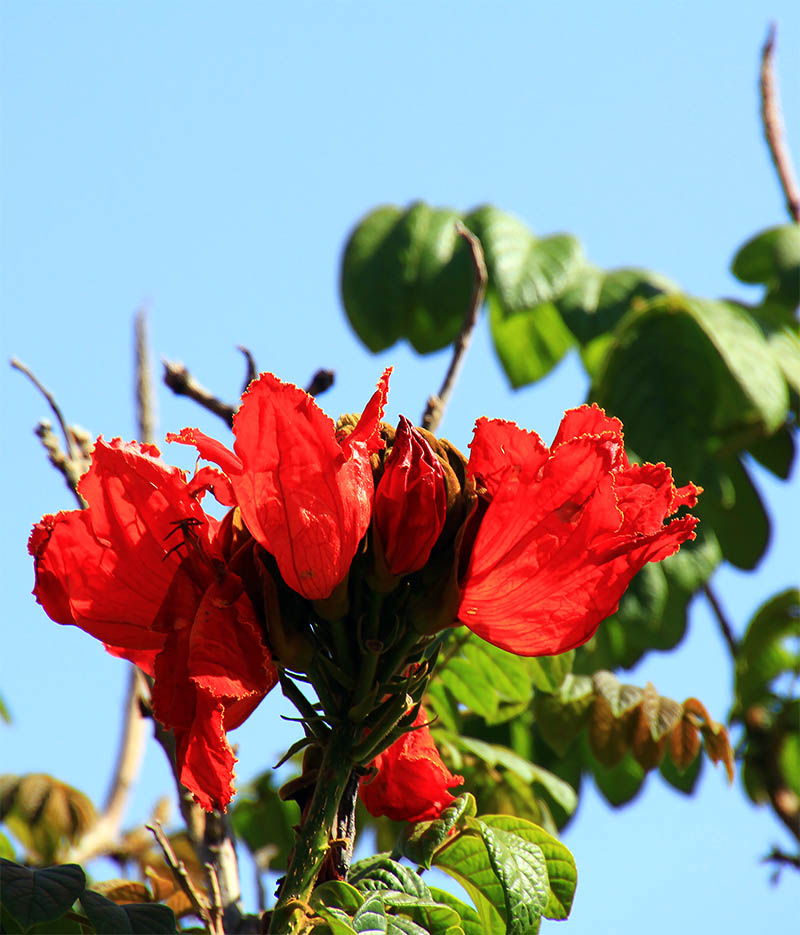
column 410, row 501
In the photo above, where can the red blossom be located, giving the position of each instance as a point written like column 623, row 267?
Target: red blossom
column 411, row 782
column 410, row 501
column 306, row 498
column 142, row 570
column 564, row 531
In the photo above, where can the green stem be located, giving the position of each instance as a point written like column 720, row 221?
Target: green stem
column 313, row 841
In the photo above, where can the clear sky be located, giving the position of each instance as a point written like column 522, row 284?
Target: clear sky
column 209, row 159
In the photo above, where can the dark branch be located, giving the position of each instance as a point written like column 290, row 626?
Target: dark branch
column 436, row 404
column 182, row 383
column 724, row 624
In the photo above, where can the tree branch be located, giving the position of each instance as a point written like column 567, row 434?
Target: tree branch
column 724, row 624
column 774, row 129
column 75, row 462
column 437, row 404
column 182, row 383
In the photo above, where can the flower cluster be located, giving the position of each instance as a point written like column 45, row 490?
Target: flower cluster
column 528, row 546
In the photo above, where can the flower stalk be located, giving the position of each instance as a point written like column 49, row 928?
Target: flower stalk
column 315, row 837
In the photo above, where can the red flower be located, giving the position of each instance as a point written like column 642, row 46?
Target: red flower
column 410, row 501
column 142, row 570
column 304, row 496
column 564, row 532
column 411, row 782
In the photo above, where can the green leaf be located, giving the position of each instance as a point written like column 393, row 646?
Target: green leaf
column 5, row 714
column 785, row 345
column 337, row 893
column 370, row 919
column 520, row 867
column 402, row 925
column 495, row 755
column 407, row 274
column 489, row 681
column 769, row 648
column 776, row 452
column 380, row 872
column 261, row 818
column 136, row 918
column 6, row 849
column 339, row 922
column 548, row 672
column 683, row 369
column 621, row 783
column 524, row 271
column 466, row 860
column 732, row 505
column 789, row 762
column 530, row 342
column 772, row 257
column 684, row 781
column 562, row 873
column 470, row 920
column 420, row 842
column 435, row 918
column 32, row 896
column 561, row 717
column 596, row 300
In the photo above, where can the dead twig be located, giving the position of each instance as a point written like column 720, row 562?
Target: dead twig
column 182, row 383
column 145, row 398
column 774, row 129
column 199, row 902
column 252, row 370
column 436, row 404
column 73, row 463
column 724, row 624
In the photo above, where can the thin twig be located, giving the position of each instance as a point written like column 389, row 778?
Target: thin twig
column 436, row 404
column 102, row 837
column 252, row 370
column 774, row 129
column 145, row 403
column 210, row 835
column 724, row 624
column 182, row 878
column 68, row 440
column 72, row 464
column 777, row 856
column 182, row 383
column 217, row 911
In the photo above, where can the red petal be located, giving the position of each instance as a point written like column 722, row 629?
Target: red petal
column 300, row 495
column 502, row 450
column 209, row 449
column 645, row 494
column 227, row 657
column 368, row 430
column 208, row 478
column 412, row 782
column 107, row 569
column 586, row 420
column 205, row 759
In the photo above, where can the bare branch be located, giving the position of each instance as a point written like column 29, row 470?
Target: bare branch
column 724, row 624
column 436, row 404
column 145, row 402
column 73, row 464
column 182, row 878
column 252, row 369
column 774, row 129
column 182, row 383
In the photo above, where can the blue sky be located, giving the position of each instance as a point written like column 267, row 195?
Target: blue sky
column 209, row 159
